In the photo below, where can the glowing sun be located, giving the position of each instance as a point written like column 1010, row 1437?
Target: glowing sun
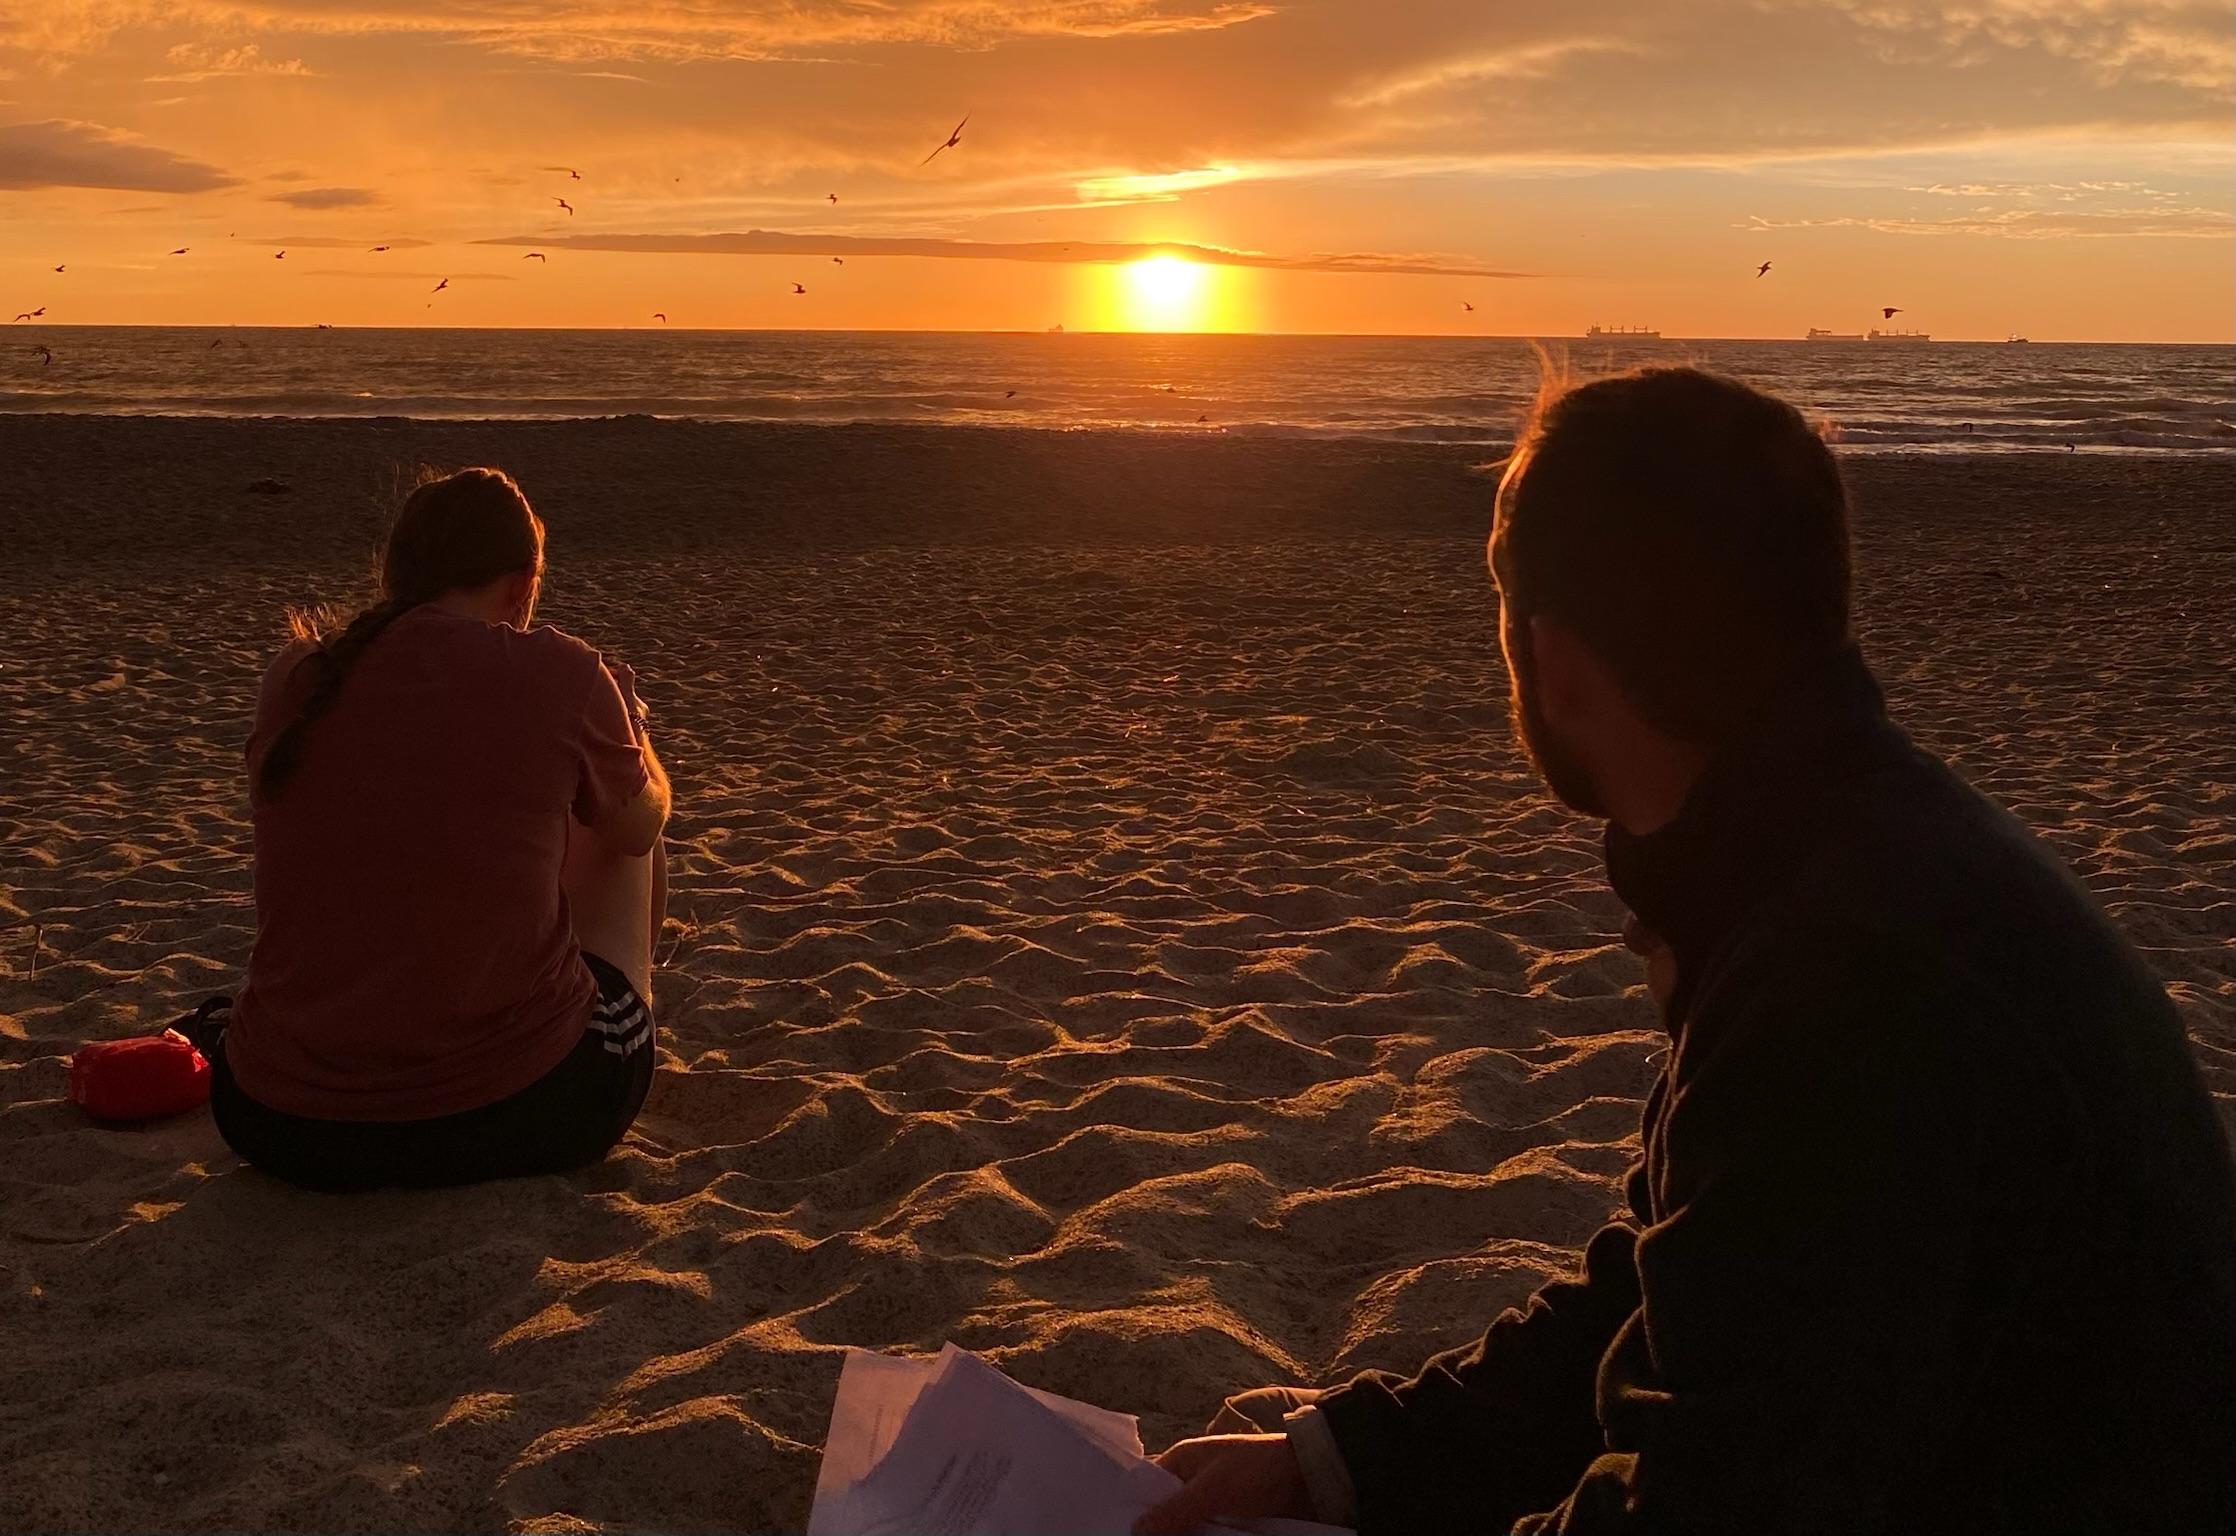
column 1165, row 293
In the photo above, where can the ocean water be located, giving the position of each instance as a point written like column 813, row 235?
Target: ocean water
column 1938, row 397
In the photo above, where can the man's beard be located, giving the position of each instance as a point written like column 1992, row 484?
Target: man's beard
column 1563, row 774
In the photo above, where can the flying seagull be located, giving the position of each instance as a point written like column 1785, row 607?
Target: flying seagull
column 953, row 139
column 661, row 316
column 1765, row 267
column 379, row 248
column 562, row 202
column 32, row 314
column 46, row 356
column 834, row 196
column 439, row 287
column 181, row 251
column 1467, row 306
column 1889, row 312
column 59, row 266
column 838, row 261
column 279, row 255
column 537, row 256
column 572, row 173
column 799, row 288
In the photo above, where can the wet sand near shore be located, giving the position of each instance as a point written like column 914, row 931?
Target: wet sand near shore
column 1112, row 929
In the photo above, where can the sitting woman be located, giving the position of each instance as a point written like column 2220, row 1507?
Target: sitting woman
column 459, row 877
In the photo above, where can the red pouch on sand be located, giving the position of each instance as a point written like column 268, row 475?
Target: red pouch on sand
column 141, row 1078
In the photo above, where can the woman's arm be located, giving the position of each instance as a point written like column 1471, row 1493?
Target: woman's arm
column 276, row 703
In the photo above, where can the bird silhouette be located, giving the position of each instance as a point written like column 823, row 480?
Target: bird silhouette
column 1765, row 267
column 1467, row 306
column 953, row 139
column 439, row 287
column 58, row 266
column 562, row 202
column 219, row 342
column 1889, row 312
column 32, row 314
column 537, row 256
column 572, row 173
column 279, row 255
column 832, row 196
column 46, row 356
column 661, row 316
column 181, row 251
column 838, row 261
column 2069, row 448
column 1009, row 394
column 799, row 288
column 378, row 249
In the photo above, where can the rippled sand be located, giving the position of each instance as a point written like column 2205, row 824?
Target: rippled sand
column 1112, row 929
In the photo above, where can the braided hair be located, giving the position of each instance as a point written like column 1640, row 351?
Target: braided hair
column 454, row 532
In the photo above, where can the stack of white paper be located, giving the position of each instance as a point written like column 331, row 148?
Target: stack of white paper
column 952, row 1447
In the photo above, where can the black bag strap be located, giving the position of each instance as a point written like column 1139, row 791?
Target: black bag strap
column 205, row 1024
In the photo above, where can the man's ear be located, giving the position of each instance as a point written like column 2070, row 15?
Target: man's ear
column 1573, row 684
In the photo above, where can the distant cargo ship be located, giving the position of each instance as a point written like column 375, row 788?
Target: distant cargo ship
column 1818, row 333
column 1622, row 333
column 2015, row 340
column 1899, row 336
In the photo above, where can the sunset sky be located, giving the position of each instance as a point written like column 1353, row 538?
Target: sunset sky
column 2057, row 167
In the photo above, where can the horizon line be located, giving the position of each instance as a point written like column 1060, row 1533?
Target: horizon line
column 1666, row 338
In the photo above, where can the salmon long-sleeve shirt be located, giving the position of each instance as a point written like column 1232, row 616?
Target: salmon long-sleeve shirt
column 414, row 954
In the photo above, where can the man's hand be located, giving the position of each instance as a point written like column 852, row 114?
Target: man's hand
column 1661, row 960
column 1241, row 1477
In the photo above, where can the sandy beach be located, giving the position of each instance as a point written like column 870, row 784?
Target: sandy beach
column 1112, row 929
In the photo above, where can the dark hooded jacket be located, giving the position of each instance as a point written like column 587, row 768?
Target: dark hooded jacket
column 1934, row 1230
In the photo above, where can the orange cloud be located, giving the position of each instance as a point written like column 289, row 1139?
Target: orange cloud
column 657, row 29
column 769, row 242
column 321, row 198
column 187, row 62
column 63, row 153
column 2039, row 224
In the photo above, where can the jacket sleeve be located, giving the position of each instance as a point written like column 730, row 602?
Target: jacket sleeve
column 1483, row 1433
column 1796, row 1353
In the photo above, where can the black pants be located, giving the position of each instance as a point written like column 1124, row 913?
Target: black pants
column 568, row 1118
